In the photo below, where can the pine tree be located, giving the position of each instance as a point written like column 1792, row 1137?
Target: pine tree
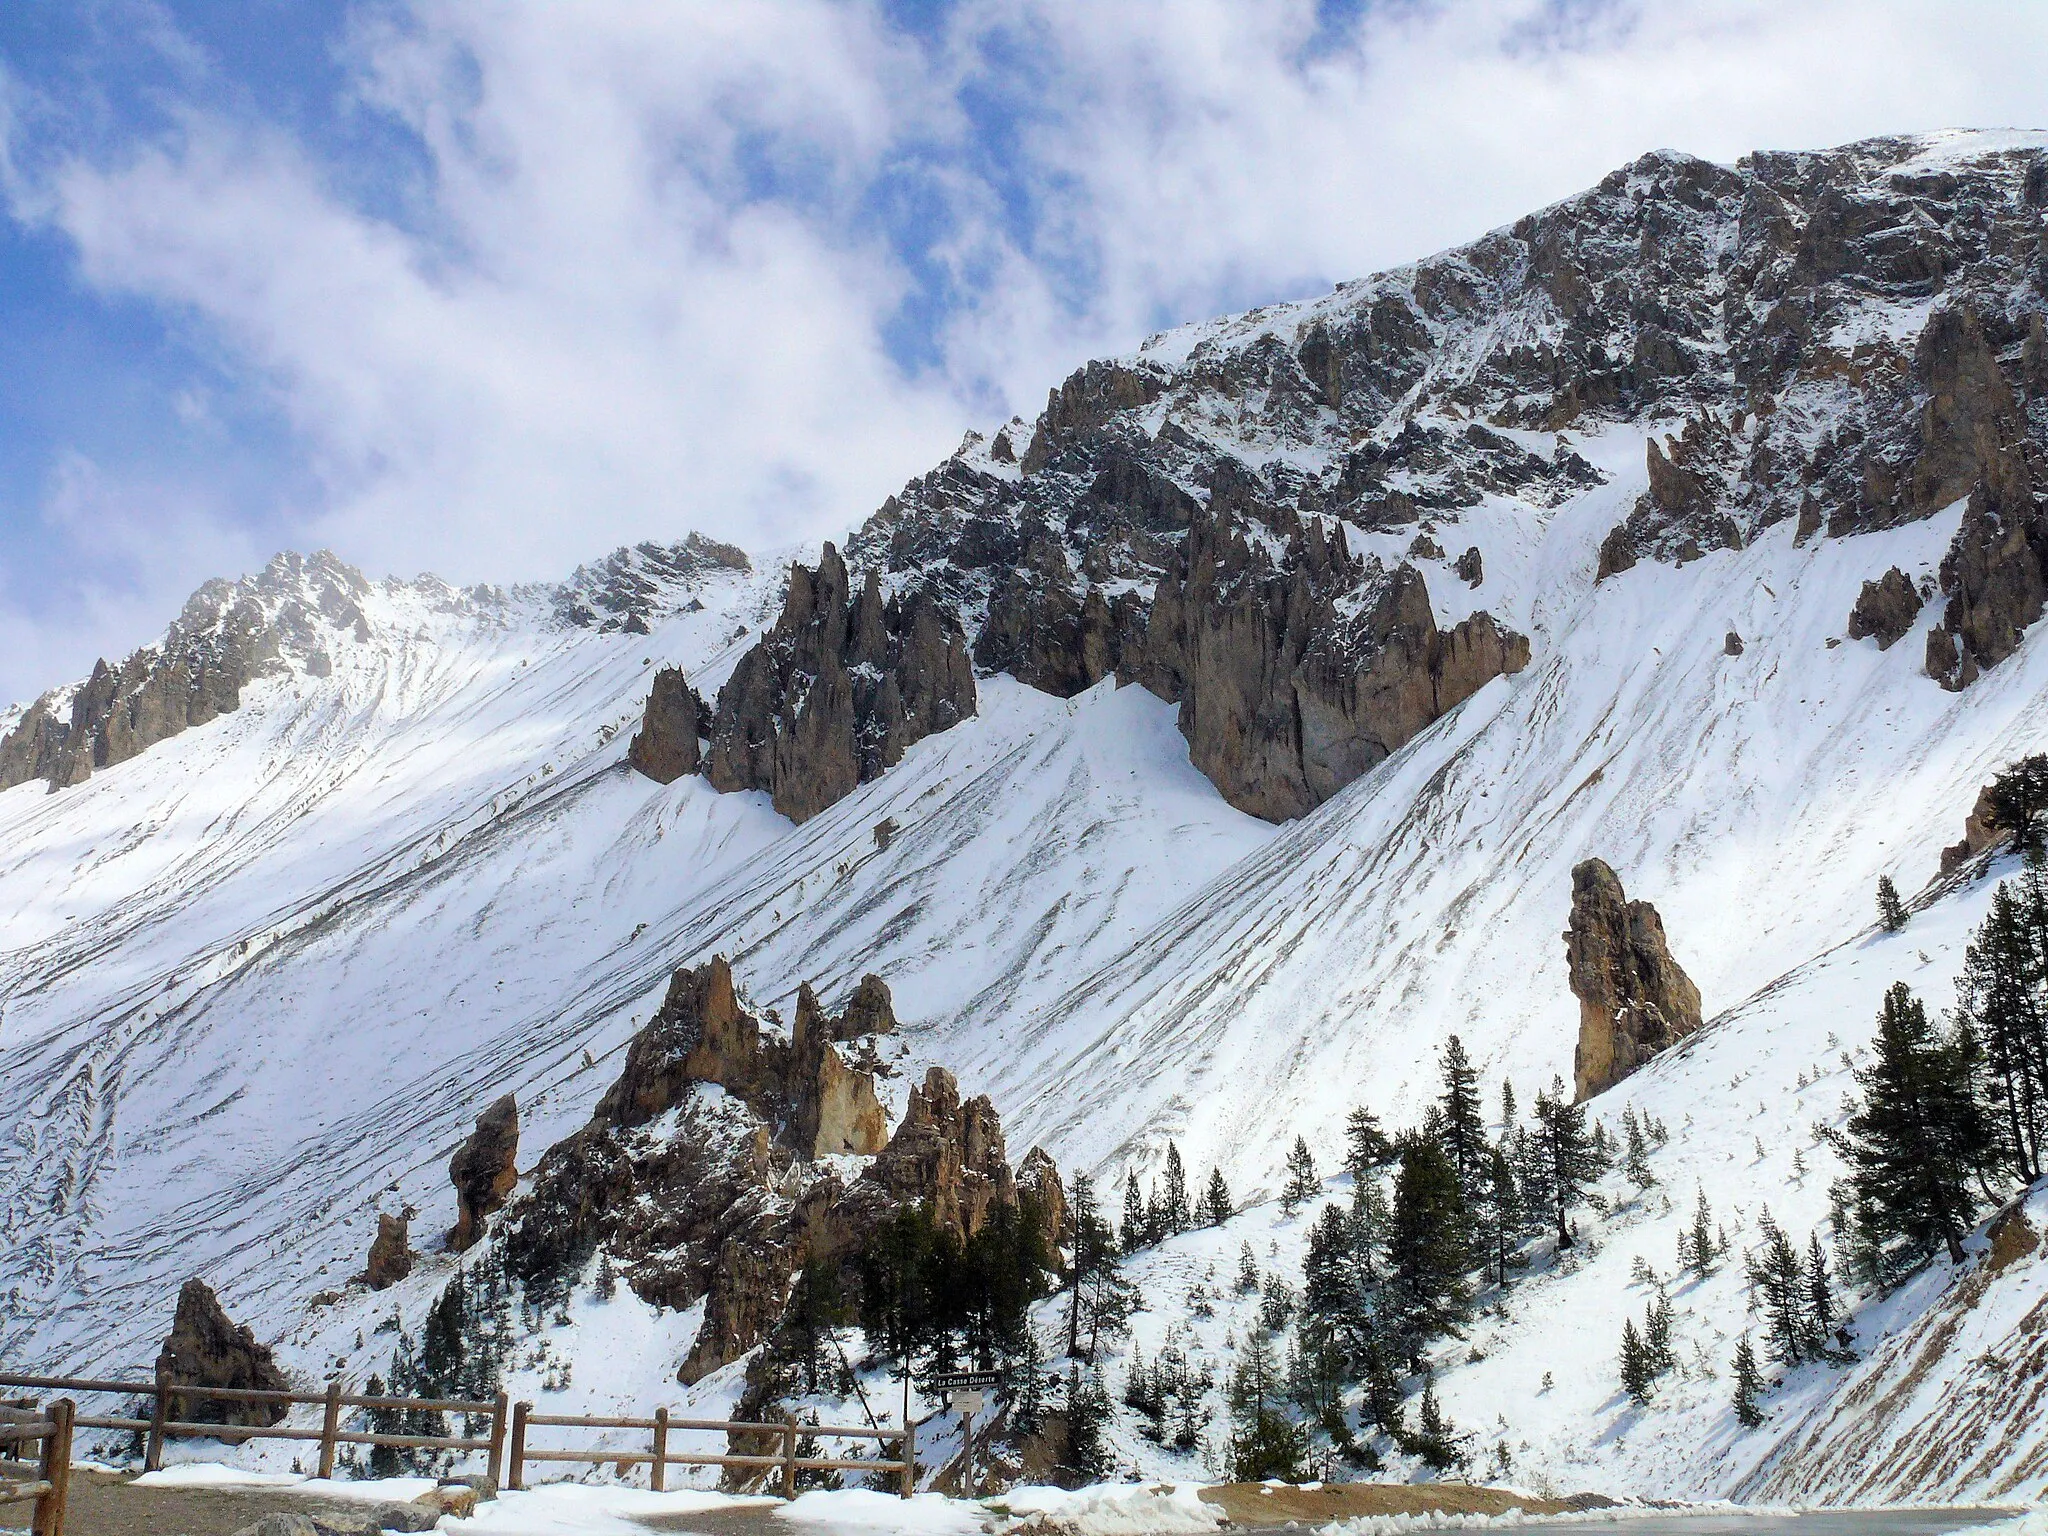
column 1507, row 1106
column 1435, row 1441
column 1891, row 912
column 1778, row 1283
column 1571, row 1162
column 1464, row 1132
column 816, row 1307
column 1179, row 1217
column 1087, row 1457
column 2002, row 998
column 1216, row 1207
column 1385, row 1404
column 1302, row 1184
column 1637, row 1377
column 1657, row 1341
column 1093, row 1277
column 1247, row 1270
column 1367, row 1151
column 1135, row 1225
column 1702, row 1248
column 1327, row 1288
column 1916, row 1138
column 1426, row 1245
column 1502, row 1216
column 2018, row 797
column 1638, row 1150
column 1748, row 1386
column 1264, row 1442
column 1820, row 1299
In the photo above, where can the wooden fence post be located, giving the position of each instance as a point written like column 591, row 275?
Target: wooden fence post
column 153, row 1452
column 515, row 1459
column 789, row 1455
column 500, row 1405
column 330, row 1426
column 909, row 1448
column 55, row 1470
column 657, row 1471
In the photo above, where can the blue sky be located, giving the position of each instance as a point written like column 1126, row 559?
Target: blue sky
column 490, row 289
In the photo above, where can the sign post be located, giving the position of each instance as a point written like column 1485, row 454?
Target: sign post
column 964, row 1395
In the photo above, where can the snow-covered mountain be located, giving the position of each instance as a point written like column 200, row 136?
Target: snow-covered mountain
column 1236, row 836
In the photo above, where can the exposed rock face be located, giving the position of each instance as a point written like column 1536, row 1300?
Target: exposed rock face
column 1039, row 1183
column 230, row 634
column 1995, row 576
column 391, row 1253
column 485, row 1169
column 1470, row 568
column 1885, row 609
column 802, row 1087
column 1283, row 698
column 205, row 1348
column 837, row 691
column 666, row 747
column 726, row 1202
column 1980, row 831
column 630, row 589
column 1046, row 628
column 1633, row 998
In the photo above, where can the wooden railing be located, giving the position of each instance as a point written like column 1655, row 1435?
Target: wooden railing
column 159, row 1426
column 658, row 1458
column 513, row 1457
column 47, row 1478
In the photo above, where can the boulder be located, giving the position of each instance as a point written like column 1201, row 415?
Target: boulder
column 1885, row 609
column 484, row 1170
column 1470, row 568
column 1731, row 644
column 390, row 1253
column 1634, row 1000
column 837, row 690
column 206, row 1348
column 666, row 746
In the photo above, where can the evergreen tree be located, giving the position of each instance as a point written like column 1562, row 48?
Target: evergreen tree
column 1503, row 1221
column 1748, row 1386
column 1094, row 1255
column 902, row 1279
column 1247, row 1270
column 1820, row 1298
column 2002, row 997
column 1327, row 1287
column 1915, row 1140
column 1302, row 1184
column 1136, row 1226
column 1426, row 1245
column 1571, row 1162
column 816, row 1307
column 1657, row 1341
column 1367, row 1151
column 1027, row 1398
column 1637, row 1152
column 1637, row 1377
column 2018, row 797
column 1216, row 1207
column 1385, row 1404
column 1087, row 1458
column 1778, row 1284
column 1178, row 1214
column 1264, row 1441
column 1891, row 912
column 1318, row 1370
column 1464, row 1133
column 1435, row 1440
column 1701, row 1248
column 1507, row 1106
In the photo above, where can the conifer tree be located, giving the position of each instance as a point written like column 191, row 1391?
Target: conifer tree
column 1570, row 1160
column 1264, row 1442
column 1502, row 1216
column 1778, row 1283
column 1748, row 1386
column 1915, row 1140
column 1891, row 912
column 1820, row 1298
column 1435, row 1441
column 1367, row 1151
column 1097, row 1303
column 1302, row 1184
column 1637, row 1151
column 2018, row 797
column 1427, row 1245
column 1701, row 1249
column 1135, row 1224
column 2002, row 997
column 1464, row 1133
column 1385, row 1405
column 1178, row 1216
column 1087, row 1456
column 1636, row 1375
column 1327, row 1289
column 1216, row 1207
column 1247, row 1270
column 1663, row 1355
column 1507, row 1106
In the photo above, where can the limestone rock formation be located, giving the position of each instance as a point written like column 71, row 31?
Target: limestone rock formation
column 666, row 746
column 1470, row 568
column 206, row 1348
column 1051, row 630
column 837, row 690
column 947, row 1155
column 1288, row 687
column 1995, row 577
column 1885, row 609
column 485, row 1169
column 1634, row 1000
column 391, row 1255
column 1981, row 830
column 1039, row 1183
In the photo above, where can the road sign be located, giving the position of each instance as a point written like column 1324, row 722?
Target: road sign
column 967, row 1381
column 963, row 1402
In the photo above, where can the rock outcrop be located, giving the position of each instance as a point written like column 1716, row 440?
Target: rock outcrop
column 837, row 690
column 1995, row 577
column 1295, row 674
column 206, row 1348
column 1039, row 1184
column 1634, row 1000
column 725, row 1197
column 391, row 1255
column 666, row 745
column 1885, row 609
column 484, row 1170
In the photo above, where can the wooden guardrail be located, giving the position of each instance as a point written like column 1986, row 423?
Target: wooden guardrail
column 47, row 1478
column 159, row 1426
column 658, row 1458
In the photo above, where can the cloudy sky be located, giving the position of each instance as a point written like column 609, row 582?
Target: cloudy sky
column 488, row 289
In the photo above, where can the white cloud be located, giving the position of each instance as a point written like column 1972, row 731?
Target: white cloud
column 634, row 281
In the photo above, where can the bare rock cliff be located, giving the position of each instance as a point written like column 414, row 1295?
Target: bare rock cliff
column 484, row 1170
column 1634, row 1000
column 207, row 1348
column 666, row 746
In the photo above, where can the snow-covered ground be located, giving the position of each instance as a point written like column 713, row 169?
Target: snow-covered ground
column 255, row 982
